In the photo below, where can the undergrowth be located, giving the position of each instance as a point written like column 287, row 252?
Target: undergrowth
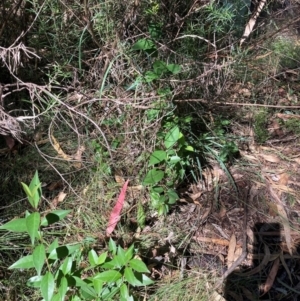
column 107, row 91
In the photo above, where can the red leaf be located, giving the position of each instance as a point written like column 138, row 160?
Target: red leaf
column 115, row 214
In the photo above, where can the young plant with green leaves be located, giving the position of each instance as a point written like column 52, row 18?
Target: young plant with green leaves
column 168, row 166
column 59, row 271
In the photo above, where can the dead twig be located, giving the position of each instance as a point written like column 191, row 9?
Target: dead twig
column 237, row 104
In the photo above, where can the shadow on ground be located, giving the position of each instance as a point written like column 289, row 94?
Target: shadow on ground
column 273, row 275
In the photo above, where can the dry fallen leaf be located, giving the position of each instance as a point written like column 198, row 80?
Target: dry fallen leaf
column 54, row 185
column 216, row 297
column 231, row 249
column 250, row 25
column 115, row 213
column 78, row 157
column 282, row 214
column 58, row 149
column 217, row 241
column 58, row 199
column 270, row 158
column 120, row 180
column 284, row 179
column 271, row 277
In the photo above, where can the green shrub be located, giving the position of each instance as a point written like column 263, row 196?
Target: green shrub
column 58, row 268
column 260, row 127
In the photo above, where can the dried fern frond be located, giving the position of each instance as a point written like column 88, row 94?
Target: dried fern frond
column 9, row 126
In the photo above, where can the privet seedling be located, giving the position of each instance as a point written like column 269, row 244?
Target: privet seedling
column 168, row 166
column 58, row 268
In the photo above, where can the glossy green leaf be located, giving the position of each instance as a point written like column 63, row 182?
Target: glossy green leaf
column 109, row 276
column 117, row 261
column 25, row 262
column 153, row 177
column 112, row 246
column 172, row 137
column 63, row 251
column 138, row 266
column 39, row 256
column 34, row 282
column 36, row 196
column 174, row 68
column 32, row 225
column 174, row 159
column 130, row 277
column 124, row 291
column 27, row 191
column 87, row 291
column 63, row 288
column 157, row 157
column 109, row 293
column 155, row 199
column 98, row 285
column 54, row 217
column 146, row 280
column 67, row 265
column 53, row 245
column 102, row 258
column 36, row 191
column 93, row 258
column 173, row 196
column 157, row 189
column 121, row 254
column 144, row 44
column 163, row 209
column 47, row 286
column 129, row 253
column 138, row 279
column 16, row 225
column 189, row 148
column 57, row 297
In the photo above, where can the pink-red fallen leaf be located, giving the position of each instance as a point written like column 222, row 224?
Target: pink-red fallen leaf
column 115, row 214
